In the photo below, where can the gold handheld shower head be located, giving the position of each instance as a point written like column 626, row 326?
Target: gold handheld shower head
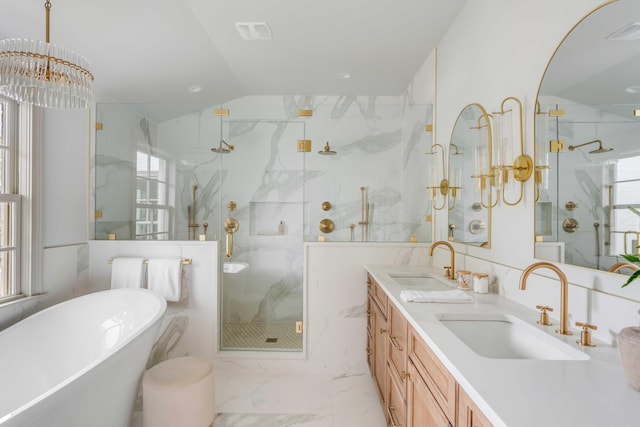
column 220, row 149
column 598, row 150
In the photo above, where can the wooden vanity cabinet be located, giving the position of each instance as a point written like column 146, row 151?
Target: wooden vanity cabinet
column 414, row 387
column 438, row 379
column 378, row 331
column 422, row 408
column 397, row 346
column 468, row 413
column 395, row 395
column 396, row 406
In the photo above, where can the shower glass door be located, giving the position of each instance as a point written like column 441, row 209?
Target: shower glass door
column 262, row 192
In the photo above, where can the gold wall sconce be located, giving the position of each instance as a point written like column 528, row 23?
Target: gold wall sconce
column 511, row 166
column 483, row 171
column 455, row 174
column 444, row 187
column 541, row 149
column 438, row 184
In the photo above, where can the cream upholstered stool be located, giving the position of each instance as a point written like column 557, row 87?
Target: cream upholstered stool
column 178, row 393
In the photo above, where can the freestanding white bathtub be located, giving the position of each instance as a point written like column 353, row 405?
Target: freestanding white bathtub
column 78, row 363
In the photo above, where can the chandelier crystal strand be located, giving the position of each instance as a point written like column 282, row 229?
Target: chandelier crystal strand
column 43, row 74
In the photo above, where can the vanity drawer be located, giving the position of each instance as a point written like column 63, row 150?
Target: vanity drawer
column 396, row 410
column 397, row 348
column 436, row 376
column 380, row 298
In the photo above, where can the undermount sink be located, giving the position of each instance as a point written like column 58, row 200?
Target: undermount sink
column 502, row 336
column 425, row 281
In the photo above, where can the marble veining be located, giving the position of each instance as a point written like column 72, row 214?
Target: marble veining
column 273, row 420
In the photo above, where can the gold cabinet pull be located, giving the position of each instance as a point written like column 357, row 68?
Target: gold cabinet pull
column 394, row 343
column 404, row 375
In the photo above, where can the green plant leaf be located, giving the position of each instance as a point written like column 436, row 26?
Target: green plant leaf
column 631, row 257
column 633, row 277
column 634, row 210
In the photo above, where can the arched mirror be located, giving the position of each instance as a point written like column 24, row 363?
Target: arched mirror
column 470, row 178
column 587, row 127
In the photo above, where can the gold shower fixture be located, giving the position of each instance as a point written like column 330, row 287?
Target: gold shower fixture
column 327, row 151
column 223, row 146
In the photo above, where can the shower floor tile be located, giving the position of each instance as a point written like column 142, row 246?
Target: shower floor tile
column 260, row 336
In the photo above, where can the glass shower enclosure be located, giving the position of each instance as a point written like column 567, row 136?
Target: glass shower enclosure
column 262, row 192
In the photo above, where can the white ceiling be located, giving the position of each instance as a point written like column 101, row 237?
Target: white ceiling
column 592, row 70
column 146, row 51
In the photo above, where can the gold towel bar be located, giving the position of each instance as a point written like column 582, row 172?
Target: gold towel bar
column 186, row 261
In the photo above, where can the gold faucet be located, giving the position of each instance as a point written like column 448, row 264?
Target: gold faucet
column 615, row 268
column 450, row 274
column 564, row 291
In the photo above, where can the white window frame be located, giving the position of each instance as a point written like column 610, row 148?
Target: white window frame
column 24, row 192
column 163, row 210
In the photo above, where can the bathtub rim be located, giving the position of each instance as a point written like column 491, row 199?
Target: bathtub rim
column 156, row 318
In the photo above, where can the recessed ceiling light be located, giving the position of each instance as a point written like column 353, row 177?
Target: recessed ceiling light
column 254, row 30
column 344, row 76
column 628, row 32
column 632, row 89
column 195, row 88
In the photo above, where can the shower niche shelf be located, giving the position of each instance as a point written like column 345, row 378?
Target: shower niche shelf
column 265, row 218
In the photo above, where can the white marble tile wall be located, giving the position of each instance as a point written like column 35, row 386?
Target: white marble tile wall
column 335, row 323
column 190, row 325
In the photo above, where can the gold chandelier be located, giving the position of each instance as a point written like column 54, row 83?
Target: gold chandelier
column 44, row 74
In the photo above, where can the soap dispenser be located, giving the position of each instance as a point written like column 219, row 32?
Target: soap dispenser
column 282, row 230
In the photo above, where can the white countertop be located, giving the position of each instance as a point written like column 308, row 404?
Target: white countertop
column 521, row 392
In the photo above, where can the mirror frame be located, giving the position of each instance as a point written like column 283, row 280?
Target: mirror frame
column 537, row 111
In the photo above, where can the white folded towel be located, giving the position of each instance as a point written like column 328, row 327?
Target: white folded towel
column 453, row 295
column 164, row 276
column 127, row 273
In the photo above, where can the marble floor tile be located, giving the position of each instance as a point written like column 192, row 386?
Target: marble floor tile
column 244, row 399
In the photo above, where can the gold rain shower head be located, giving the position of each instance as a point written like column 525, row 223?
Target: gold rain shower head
column 327, row 151
column 598, row 150
column 222, row 150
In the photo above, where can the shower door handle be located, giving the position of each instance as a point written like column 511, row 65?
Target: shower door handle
column 231, row 225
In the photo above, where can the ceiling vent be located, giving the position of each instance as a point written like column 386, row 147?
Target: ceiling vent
column 254, row 30
column 628, row 32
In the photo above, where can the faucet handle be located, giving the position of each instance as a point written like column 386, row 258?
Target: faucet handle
column 447, row 272
column 585, row 335
column 544, row 317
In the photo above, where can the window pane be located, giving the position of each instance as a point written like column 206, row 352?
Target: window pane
column 153, row 192
column 7, row 218
column 626, row 193
column 6, row 272
column 142, row 193
column 143, row 164
column 627, row 169
column 2, row 110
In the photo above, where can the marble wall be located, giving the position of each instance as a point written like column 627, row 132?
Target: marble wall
column 335, row 310
column 190, row 325
column 380, row 144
